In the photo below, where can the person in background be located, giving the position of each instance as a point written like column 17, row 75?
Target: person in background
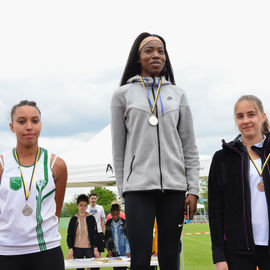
column 239, row 192
column 82, row 237
column 116, row 236
column 122, row 214
column 32, row 189
column 98, row 212
column 155, row 157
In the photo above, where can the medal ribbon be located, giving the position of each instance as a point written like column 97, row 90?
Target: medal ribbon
column 259, row 172
column 157, row 95
column 33, row 172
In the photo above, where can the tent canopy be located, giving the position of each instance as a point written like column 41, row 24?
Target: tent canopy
column 91, row 164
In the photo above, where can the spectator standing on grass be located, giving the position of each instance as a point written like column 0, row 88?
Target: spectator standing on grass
column 32, row 190
column 122, row 214
column 82, row 237
column 98, row 212
column 239, row 192
column 116, row 236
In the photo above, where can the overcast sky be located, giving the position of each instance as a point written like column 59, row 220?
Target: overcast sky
column 69, row 56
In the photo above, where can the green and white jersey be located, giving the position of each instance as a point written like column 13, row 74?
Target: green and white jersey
column 20, row 234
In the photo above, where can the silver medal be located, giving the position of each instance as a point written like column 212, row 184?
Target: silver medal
column 153, row 121
column 27, row 210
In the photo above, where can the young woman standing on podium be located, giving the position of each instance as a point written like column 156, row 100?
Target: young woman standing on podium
column 154, row 152
column 239, row 192
column 32, row 189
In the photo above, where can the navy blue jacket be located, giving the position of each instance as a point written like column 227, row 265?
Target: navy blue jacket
column 229, row 199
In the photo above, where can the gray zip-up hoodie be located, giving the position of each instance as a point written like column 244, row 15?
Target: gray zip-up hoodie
column 145, row 157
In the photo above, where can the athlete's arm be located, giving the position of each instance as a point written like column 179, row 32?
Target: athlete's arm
column 60, row 177
column 102, row 224
column 102, row 220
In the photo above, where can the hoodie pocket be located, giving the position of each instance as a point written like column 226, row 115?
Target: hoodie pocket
column 131, row 165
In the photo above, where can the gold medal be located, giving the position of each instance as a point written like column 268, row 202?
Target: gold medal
column 153, row 121
column 27, row 210
column 260, row 186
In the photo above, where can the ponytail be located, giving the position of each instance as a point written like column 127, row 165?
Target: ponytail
column 265, row 127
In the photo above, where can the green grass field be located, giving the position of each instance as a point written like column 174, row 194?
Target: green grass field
column 196, row 248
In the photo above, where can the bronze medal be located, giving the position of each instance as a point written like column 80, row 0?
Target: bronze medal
column 260, row 186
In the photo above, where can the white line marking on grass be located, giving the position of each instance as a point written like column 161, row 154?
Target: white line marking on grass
column 196, row 240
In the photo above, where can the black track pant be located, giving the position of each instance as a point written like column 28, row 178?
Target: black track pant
column 80, row 253
column 141, row 210
column 51, row 259
column 250, row 262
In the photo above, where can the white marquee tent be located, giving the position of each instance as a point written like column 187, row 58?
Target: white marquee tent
column 205, row 162
column 91, row 164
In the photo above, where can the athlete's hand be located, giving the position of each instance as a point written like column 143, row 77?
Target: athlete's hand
column 70, row 254
column 96, row 253
column 110, row 254
column 190, row 206
column 222, row 266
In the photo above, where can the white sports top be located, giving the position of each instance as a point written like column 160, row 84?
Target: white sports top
column 20, row 234
column 259, row 210
column 98, row 212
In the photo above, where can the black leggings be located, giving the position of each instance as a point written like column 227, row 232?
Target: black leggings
column 249, row 262
column 50, row 259
column 80, row 253
column 141, row 210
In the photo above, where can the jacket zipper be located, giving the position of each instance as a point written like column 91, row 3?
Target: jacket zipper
column 266, row 194
column 225, row 231
column 131, row 165
column 249, row 194
column 159, row 159
column 244, row 201
column 265, row 156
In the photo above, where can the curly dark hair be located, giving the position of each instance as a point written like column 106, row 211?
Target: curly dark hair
column 82, row 198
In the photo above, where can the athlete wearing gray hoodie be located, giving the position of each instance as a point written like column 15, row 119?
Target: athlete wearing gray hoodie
column 162, row 157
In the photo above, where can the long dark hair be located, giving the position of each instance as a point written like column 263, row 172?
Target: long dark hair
column 134, row 68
